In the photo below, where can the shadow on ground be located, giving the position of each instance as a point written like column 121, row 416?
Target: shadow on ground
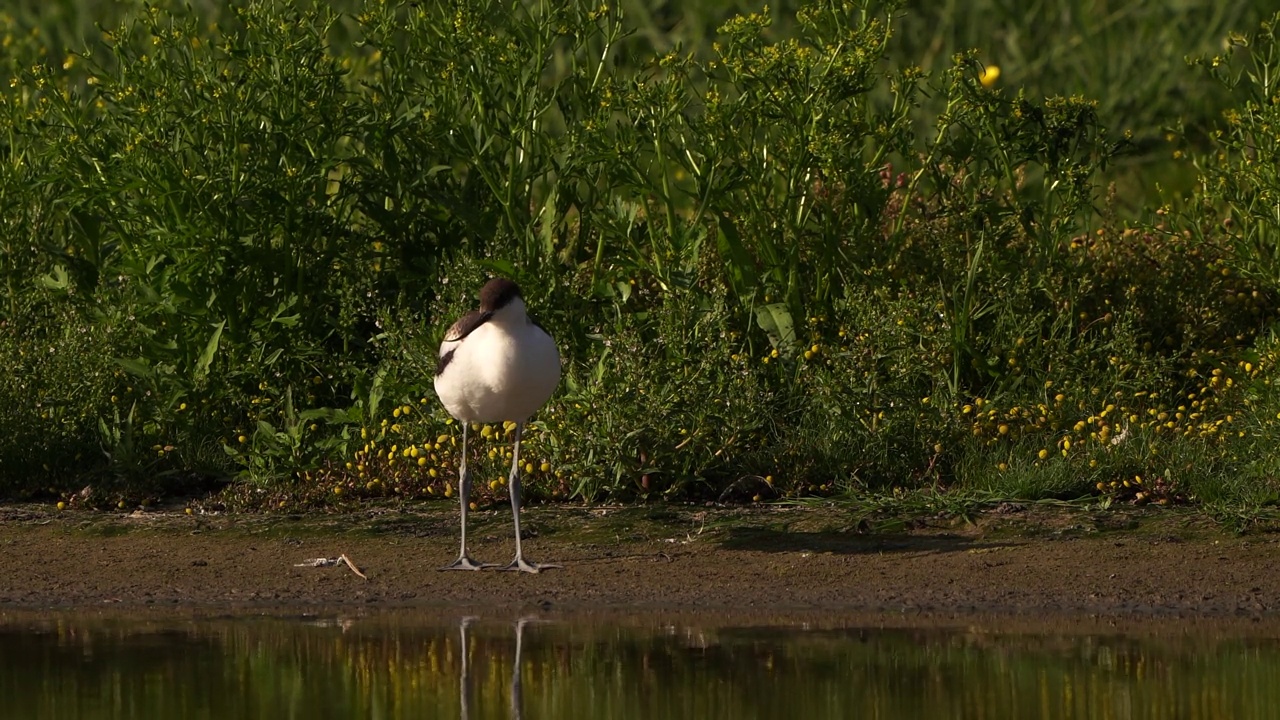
column 847, row 543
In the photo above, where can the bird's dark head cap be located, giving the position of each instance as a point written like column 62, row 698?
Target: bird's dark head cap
column 497, row 294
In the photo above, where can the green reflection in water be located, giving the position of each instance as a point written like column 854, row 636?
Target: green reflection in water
column 414, row 666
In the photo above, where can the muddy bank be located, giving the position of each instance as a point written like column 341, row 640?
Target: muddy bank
column 1027, row 562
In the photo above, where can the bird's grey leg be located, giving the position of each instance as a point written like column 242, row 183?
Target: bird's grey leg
column 464, row 561
column 517, row 691
column 464, row 689
column 519, row 563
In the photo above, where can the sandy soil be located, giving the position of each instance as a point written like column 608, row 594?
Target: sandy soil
column 1020, row 561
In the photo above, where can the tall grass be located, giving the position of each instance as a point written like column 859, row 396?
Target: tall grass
column 776, row 266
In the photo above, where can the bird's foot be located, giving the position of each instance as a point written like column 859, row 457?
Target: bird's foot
column 523, row 565
column 464, row 562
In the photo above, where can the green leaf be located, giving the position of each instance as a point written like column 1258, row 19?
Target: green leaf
column 316, row 414
column 279, row 316
column 742, row 271
column 504, row 268
column 266, row 429
column 368, row 392
column 210, row 349
column 547, row 224
column 775, row 320
column 139, row 367
column 57, row 279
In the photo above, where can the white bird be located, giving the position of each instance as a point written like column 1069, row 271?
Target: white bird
column 496, row 365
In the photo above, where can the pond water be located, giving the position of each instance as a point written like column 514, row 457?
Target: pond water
column 421, row 664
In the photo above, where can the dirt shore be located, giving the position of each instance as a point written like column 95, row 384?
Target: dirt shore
column 1017, row 561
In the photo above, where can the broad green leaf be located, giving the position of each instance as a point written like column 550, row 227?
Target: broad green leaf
column 775, row 319
column 210, row 349
column 57, row 279
column 139, row 367
column 504, row 268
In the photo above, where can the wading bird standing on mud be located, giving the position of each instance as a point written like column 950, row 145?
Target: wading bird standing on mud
column 496, row 365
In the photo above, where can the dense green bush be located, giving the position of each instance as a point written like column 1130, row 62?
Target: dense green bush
column 231, row 247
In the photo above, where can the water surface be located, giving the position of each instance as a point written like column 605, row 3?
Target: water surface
column 429, row 665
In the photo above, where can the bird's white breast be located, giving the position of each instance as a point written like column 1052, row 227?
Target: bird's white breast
column 501, row 371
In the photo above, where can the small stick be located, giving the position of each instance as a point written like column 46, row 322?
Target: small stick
column 352, row 565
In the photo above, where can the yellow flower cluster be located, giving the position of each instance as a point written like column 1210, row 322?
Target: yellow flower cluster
column 394, row 460
column 1077, row 426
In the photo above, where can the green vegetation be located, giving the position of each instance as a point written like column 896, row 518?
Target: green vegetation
column 789, row 263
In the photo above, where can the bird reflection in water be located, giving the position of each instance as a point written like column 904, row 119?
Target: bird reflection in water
column 464, row 689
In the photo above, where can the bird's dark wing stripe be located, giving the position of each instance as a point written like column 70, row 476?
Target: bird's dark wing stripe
column 466, row 325
column 443, row 362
